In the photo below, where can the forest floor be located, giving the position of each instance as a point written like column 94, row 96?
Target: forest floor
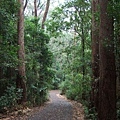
column 57, row 108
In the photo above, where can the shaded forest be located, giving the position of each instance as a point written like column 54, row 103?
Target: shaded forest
column 73, row 46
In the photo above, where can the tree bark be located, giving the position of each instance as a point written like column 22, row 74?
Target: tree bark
column 20, row 82
column 107, row 83
column 1, row 73
column 117, row 36
column 95, row 53
column 95, row 39
column 46, row 12
column 35, row 8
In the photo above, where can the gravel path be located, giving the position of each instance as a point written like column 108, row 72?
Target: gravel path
column 57, row 109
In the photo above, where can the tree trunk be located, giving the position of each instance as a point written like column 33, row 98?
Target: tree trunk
column 35, row 8
column 83, row 48
column 117, row 37
column 107, row 83
column 20, row 82
column 1, row 73
column 95, row 39
column 26, row 2
column 95, row 53
column 46, row 12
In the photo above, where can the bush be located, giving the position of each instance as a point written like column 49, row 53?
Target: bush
column 64, row 86
column 10, row 97
column 76, row 88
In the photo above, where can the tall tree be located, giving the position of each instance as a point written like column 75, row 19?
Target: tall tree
column 95, row 52
column 21, row 53
column 107, row 83
column 45, row 13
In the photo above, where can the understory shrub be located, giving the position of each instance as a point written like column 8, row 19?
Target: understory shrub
column 10, row 97
column 38, row 95
column 64, row 86
column 76, row 88
column 55, row 83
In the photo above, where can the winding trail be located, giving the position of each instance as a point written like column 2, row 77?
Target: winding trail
column 57, row 109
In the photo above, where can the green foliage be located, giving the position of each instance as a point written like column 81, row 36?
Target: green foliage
column 69, row 17
column 90, row 113
column 55, row 83
column 38, row 94
column 71, row 56
column 55, row 24
column 8, row 44
column 38, row 57
column 38, row 62
column 73, row 51
column 64, row 86
column 76, row 88
column 10, row 97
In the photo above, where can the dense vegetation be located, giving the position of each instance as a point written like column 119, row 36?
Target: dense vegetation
column 38, row 58
column 74, row 50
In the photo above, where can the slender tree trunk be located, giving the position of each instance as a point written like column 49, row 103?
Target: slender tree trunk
column 107, row 83
column 45, row 14
column 26, row 2
column 81, row 25
column 83, row 48
column 21, row 53
column 35, row 8
column 95, row 53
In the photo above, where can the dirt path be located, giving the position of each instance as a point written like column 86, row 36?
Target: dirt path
column 57, row 109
